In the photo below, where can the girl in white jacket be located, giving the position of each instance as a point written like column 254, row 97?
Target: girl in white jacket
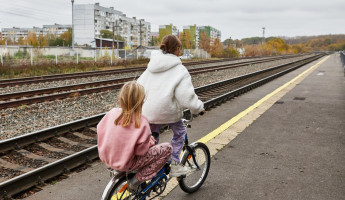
column 169, row 90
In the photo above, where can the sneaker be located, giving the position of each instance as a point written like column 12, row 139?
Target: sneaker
column 177, row 169
column 133, row 184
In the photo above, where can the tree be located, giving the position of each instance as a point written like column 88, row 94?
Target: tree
column 204, row 42
column 231, row 52
column 20, row 41
column 66, row 37
column 31, row 39
column 186, row 39
column 106, row 34
column 42, row 40
column 51, row 39
column 278, row 45
column 216, row 48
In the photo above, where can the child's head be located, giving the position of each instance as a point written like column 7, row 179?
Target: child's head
column 131, row 99
column 170, row 44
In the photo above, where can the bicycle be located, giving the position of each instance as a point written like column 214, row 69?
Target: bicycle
column 196, row 156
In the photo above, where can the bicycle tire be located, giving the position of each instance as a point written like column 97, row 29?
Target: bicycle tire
column 203, row 158
column 116, row 193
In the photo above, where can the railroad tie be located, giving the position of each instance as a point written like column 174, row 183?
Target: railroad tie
column 54, row 149
column 93, row 130
column 68, row 141
column 83, row 136
column 31, row 155
column 14, row 166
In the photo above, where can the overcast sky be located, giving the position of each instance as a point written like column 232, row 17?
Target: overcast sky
column 235, row 19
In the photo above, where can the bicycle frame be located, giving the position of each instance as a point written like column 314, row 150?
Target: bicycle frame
column 162, row 174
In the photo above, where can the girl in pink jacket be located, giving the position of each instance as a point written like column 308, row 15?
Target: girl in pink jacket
column 124, row 138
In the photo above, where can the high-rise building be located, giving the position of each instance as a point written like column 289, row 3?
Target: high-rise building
column 210, row 32
column 167, row 30
column 90, row 19
column 194, row 34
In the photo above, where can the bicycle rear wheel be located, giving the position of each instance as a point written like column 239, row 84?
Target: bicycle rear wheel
column 199, row 166
column 120, row 191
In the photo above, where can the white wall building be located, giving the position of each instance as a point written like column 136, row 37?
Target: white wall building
column 90, row 19
column 56, row 29
column 211, row 32
column 15, row 33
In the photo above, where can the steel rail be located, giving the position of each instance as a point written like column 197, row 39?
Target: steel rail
column 59, row 77
column 16, row 95
column 15, row 185
column 61, row 95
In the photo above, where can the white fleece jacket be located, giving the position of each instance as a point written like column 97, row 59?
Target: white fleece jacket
column 169, row 89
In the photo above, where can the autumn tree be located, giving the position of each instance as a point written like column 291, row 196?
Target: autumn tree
column 31, row 39
column 216, row 49
column 298, row 48
column 20, row 41
column 278, row 44
column 42, row 40
column 204, row 42
column 186, row 39
column 231, row 52
column 67, row 37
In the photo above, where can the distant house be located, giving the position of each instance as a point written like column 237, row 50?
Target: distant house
column 105, row 42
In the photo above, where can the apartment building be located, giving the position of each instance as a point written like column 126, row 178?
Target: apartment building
column 90, row 19
column 56, row 29
column 211, row 32
column 15, row 33
column 167, row 30
column 135, row 32
column 194, row 34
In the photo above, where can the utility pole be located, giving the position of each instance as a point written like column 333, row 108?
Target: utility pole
column 72, row 27
column 263, row 35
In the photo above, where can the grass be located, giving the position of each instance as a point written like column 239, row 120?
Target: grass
column 48, row 67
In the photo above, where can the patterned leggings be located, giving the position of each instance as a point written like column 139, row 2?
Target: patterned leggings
column 148, row 165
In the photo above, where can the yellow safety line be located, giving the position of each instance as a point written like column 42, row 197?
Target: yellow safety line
column 233, row 120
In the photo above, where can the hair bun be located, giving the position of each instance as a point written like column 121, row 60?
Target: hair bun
column 164, row 48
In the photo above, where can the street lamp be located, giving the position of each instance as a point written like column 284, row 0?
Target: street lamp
column 72, row 27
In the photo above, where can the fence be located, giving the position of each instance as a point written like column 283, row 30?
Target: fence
column 26, row 55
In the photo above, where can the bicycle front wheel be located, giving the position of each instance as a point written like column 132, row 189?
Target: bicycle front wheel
column 198, row 161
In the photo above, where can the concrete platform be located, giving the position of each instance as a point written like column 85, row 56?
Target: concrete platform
column 290, row 146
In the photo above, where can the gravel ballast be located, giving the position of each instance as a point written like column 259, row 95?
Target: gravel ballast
column 25, row 119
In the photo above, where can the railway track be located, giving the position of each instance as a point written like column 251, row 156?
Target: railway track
column 29, row 160
column 49, row 94
column 60, row 77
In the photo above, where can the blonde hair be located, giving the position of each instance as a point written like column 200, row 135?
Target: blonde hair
column 131, row 99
